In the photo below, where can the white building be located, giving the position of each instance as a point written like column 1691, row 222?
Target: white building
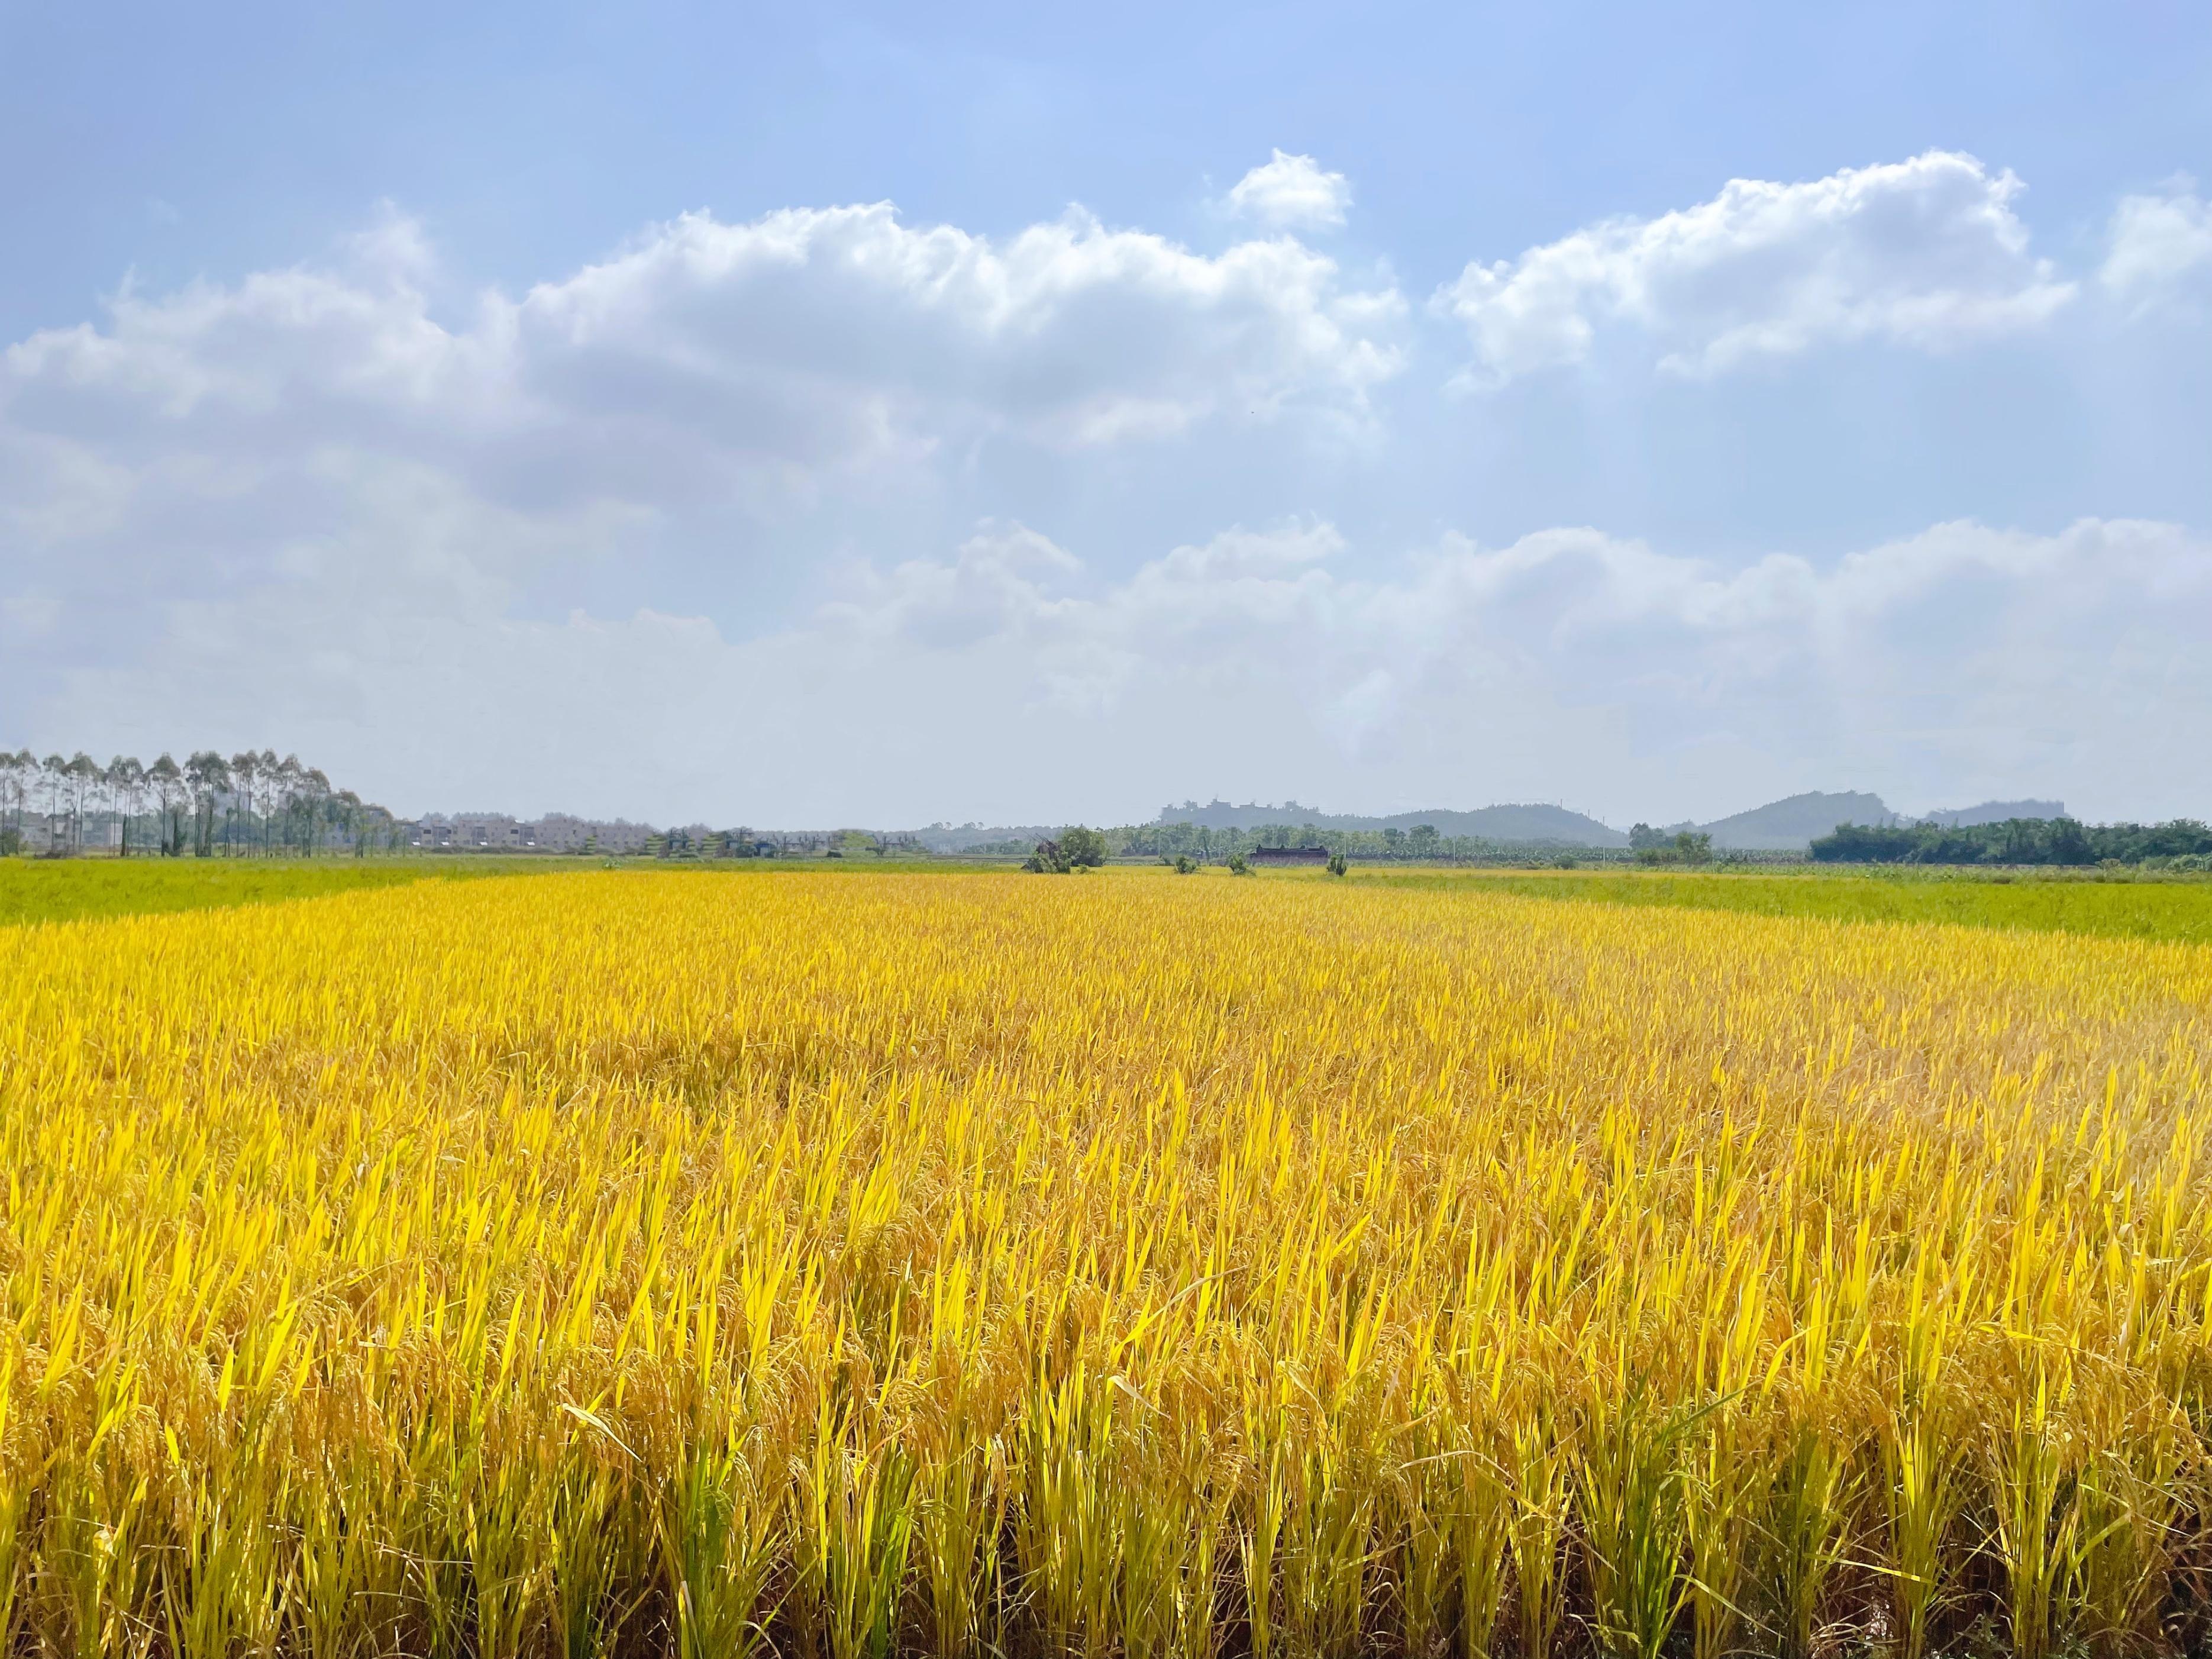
column 497, row 832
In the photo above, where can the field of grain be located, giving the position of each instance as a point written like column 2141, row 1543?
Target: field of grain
column 63, row 890
column 901, row 1264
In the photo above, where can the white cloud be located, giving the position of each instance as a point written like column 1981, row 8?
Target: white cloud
column 325, row 509
column 750, row 365
column 1012, row 678
column 335, row 432
column 1292, row 192
column 2157, row 242
column 1961, row 658
column 1926, row 253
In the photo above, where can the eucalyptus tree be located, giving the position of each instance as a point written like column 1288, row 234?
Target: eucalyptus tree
column 16, row 772
column 315, row 798
column 288, row 788
column 126, row 784
column 53, row 785
column 245, row 778
column 170, row 790
column 209, row 775
column 273, row 793
column 84, row 775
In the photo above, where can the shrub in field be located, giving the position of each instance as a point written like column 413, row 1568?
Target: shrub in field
column 1084, row 848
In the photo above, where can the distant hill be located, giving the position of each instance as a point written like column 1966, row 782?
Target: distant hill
column 1534, row 822
column 1994, row 811
column 1790, row 825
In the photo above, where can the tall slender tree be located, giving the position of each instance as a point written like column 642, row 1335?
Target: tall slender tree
column 16, row 772
column 126, row 785
column 276, row 797
column 84, row 775
column 286, row 786
column 244, row 781
column 54, row 790
column 167, row 784
column 210, row 777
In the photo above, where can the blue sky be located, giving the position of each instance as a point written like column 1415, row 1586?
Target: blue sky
column 852, row 414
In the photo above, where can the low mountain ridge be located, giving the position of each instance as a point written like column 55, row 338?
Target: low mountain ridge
column 1792, row 824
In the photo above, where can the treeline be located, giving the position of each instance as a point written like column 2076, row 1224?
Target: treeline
column 1420, row 844
column 248, row 805
column 2184, row 843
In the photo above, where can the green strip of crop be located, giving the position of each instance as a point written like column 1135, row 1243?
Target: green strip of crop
column 65, row 890
column 2175, row 910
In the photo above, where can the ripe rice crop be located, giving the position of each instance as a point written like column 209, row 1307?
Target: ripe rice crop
column 712, row 1266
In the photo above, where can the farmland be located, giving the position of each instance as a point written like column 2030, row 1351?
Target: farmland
column 2171, row 909
column 890, row 1263
column 62, row 889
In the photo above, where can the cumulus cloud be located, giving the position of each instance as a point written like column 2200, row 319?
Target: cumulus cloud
column 1292, row 192
column 708, row 363
column 336, row 431
column 1926, row 253
column 2157, row 243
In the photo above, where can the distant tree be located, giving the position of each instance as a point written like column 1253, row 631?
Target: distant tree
column 1865, row 843
column 84, row 775
column 167, row 785
column 288, row 804
column 1337, row 866
column 54, row 790
column 126, row 783
column 1050, row 859
column 1183, row 867
column 1644, row 839
column 16, row 772
column 208, row 776
column 1083, row 847
column 1238, row 865
column 1422, row 840
column 245, row 786
column 2068, row 844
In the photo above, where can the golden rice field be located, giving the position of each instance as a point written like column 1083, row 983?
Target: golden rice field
column 897, row 1264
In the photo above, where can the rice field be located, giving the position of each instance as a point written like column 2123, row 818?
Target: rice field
column 893, row 1264
column 2178, row 908
column 62, row 889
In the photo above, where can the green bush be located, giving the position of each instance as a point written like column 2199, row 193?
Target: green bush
column 1082, row 848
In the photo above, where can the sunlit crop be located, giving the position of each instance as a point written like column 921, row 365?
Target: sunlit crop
column 837, row 1267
